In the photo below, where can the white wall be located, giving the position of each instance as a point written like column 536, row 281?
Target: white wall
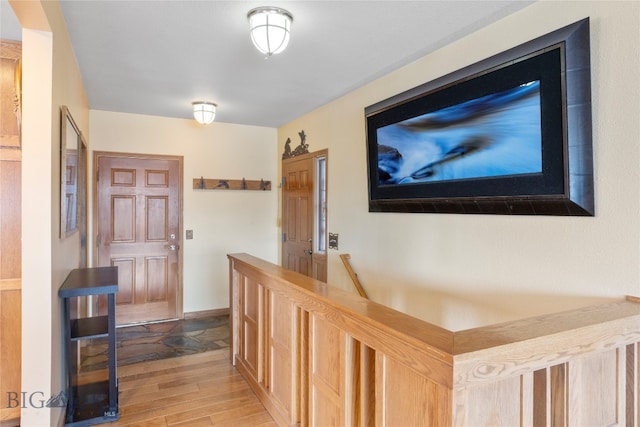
column 462, row 271
column 222, row 221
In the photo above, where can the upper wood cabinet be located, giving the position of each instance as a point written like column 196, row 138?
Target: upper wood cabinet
column 11, row 94
column 10, row 229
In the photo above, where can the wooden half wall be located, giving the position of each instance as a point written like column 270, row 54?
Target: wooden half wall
column 318, row 356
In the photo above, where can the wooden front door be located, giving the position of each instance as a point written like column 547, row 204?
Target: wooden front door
column 301, row 213
column 139, row 230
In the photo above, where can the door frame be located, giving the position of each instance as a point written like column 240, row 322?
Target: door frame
column 94, row 216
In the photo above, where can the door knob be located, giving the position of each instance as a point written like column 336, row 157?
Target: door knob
column 172, row 247
column 308, row 251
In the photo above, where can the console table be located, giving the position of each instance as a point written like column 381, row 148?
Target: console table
column 95, row 402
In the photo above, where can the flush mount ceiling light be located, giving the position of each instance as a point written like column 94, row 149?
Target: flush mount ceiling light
column 270, row 27
column 204, row 112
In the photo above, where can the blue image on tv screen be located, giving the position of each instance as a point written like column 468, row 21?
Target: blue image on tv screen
column 495, row 135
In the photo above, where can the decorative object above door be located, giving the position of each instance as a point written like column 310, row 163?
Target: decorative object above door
column 303, row 148
column 508, row 135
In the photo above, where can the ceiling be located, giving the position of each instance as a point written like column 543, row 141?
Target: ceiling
column 157, row 57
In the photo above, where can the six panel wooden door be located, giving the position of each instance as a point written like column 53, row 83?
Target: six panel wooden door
column 139, row 231
column 297, row 215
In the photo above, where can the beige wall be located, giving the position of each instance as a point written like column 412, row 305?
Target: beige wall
column 222, row 221
column 50, row 79
column 462, row 271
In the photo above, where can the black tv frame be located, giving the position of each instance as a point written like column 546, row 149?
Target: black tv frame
column 565, row 185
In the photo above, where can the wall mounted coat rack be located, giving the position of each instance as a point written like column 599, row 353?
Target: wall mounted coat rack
column 231, row 184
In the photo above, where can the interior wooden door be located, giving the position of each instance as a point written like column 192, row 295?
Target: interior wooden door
column 304, row 214
column 297, row 214
column 139, row 230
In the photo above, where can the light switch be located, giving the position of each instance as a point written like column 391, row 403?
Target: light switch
column 189, row 234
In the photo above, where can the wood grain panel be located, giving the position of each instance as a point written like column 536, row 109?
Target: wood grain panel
column 494, row 404
column 126, row 279
column 558, row 389
column 364, row 385
column 403, row 395
column 292, row 226
column 10, row 343
column 292, row 183
column 157, row 272
column 157, row 218
column 250, row 300
column 10, row 119
column 123, row 215
column 305, row 227
column 319, row 263
column 599, row 371
column 11, row 49
column 157, row 178
column 327, row 370
column 631, row 385
column 324, row 409
column 251, row 348
column 540, row 414
column 305, row 182
column 303, row 266
column 251, row 342
column 10, row 219
column 326, row 355
column 282, row 380
column 123, row 177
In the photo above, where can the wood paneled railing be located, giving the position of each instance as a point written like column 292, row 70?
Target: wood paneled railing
column 318, row 356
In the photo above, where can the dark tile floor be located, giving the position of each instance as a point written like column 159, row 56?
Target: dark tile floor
column 156, row 341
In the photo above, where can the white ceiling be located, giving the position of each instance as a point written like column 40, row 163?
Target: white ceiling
column 156, row 57
column 9, row 26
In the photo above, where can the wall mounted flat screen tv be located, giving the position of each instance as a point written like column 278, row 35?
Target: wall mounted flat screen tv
column 508, row 135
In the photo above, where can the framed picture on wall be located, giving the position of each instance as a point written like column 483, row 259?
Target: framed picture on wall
column 508, row 135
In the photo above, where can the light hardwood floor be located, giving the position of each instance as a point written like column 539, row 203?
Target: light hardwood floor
column 197, row 390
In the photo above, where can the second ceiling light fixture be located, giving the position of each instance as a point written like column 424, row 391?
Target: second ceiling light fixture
column 270, row 33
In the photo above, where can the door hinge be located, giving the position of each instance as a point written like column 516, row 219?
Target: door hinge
column 97, row 174
column 284, row 181
column 284, row 237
